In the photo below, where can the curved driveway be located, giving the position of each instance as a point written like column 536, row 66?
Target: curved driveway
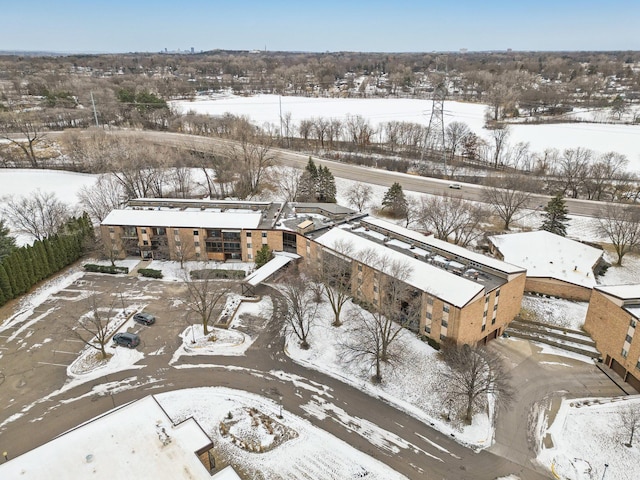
column 33, row 372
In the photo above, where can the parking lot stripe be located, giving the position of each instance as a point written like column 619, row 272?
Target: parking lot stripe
column 62, row 351
column 56, row 364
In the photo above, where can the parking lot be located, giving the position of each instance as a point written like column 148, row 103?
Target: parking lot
column 37, row 347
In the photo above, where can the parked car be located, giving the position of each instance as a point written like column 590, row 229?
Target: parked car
column 126, row 339
column 144, row 318
column 455, row 186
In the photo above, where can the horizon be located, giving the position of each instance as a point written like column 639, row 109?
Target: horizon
column 408, row 26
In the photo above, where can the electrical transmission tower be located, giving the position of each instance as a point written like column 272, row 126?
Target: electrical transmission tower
column 434, row 138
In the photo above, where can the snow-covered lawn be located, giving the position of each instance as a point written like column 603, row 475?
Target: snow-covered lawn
column 555, row 311
column 238, row 422
column 265, row 109
column 171, row 271
column 586, row 435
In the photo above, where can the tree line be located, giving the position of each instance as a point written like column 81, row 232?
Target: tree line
column 23, row 267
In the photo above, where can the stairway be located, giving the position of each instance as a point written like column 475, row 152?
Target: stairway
column 564, row 338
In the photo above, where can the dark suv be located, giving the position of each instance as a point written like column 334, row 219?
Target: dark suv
column 126, row 339
column 144, row 318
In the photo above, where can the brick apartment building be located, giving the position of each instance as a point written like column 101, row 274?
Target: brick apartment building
column 465, row 297
column 612, row 319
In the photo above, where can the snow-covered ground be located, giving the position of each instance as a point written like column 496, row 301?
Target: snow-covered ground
column 262, row 109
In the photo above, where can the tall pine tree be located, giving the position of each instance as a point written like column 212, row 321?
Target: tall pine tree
column 326, row 189
column 7, row 242
column 395, row 202
column 555, row 216
column 6, row 292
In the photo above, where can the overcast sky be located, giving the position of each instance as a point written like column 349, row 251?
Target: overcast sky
column 329, row 25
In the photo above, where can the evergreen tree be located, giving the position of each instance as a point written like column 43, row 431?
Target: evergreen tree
column 6, row 292
column 51, row 258
column 7, row 242
column 17, row 274
column 307, row 192
column 326, row 186
column 263, row 256
column 395, row 201
column 41, row 265
column 27, row 262
column 555, row 216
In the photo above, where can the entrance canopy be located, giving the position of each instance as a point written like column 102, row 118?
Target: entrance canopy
column 279, row 260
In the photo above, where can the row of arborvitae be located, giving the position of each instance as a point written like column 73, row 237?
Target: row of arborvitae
column 25, row 266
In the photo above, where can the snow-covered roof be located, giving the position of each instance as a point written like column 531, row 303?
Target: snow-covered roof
column 547, row 255
column 185, row 219
column 134, row 441
column 279, row 260
column 447, row 286
column 494, row 263
column 623, row 292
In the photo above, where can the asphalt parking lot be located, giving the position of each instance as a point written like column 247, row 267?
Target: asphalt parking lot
column 36, row 348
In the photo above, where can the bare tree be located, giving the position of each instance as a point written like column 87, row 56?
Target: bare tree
column 102, row 197
column 376, row 329
column 40, row 215
column 451, row 218
column 204, row 296
column 621, row 224
column 506, row 198
column 573, row 169
column 475, row 374
column 29, row 127
column 287, row 180
column 359, row 195
column 251, row 161
column 455, row 135
column 629, row 416
column 335, row 276
column 301, row 309
column 95, row 327
column 499, row 135
column 183, row 246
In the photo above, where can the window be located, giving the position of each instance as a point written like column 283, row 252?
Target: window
column 144, row 242
column 429, row 301
column 197, row 244
column 486, row 299
column 638, row 364
column 624, row 353
column 111, row 229
column 445, row 324
column 428, row 330
column 178, row 243
column 628, row 339
column 375, row 288
column 497, row 293
column 429, row 315
column 248, row 245
column 176, row 231
column 359, row 267
column 445, row 308
column 493, row 321
column 495, row 307
column 248, row 234
column 143, row 230
column 197, row 254
column 484, row 327
column 443, row 337
column 196, row 233
column 633, row 323
column 264, row 234
column 249, row 256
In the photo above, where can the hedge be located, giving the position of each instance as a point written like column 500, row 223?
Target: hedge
column 92, row 267
column 212, row 273
column 150, row 272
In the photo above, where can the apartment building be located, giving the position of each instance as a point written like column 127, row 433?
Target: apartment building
column 465, row 297
column 612, row 320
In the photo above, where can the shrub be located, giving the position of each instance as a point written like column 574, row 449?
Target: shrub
column 150, row 272
column 92, row 267
column 212, row 273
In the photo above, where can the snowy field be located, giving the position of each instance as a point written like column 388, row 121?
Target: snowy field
column 265, row 109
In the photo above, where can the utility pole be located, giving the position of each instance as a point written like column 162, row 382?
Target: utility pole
column 280, row 102
column 95, row 114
